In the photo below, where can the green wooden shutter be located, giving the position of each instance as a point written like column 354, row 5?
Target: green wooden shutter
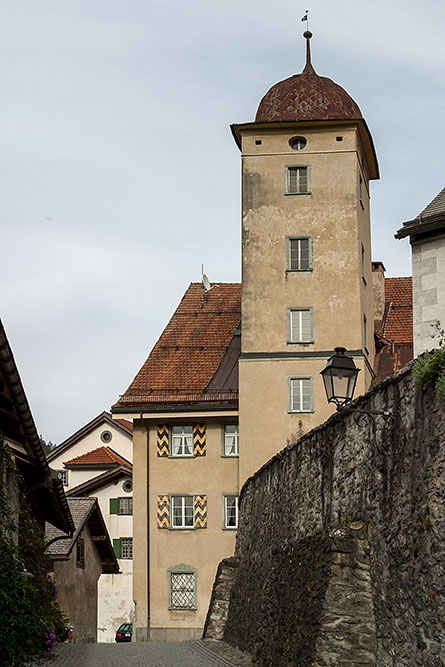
column 117, row 545
column 114, row 505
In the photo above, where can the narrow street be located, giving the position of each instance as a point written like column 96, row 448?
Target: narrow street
column 194, row 653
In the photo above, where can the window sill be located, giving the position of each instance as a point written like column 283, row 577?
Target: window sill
column 175, row 528
column 300, row 342
column 299, row 270
column 181, row 456
column 297, row 194
column 230, row 528
column 300, row 412
column 230, row 456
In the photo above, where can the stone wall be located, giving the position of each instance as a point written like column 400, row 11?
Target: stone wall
column 340, row 548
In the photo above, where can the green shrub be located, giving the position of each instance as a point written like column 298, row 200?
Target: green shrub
column 32, row 619
column 429, row 369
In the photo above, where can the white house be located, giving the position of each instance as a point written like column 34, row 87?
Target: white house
column 96, row 461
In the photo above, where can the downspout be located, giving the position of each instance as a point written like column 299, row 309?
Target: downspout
column 148, row 535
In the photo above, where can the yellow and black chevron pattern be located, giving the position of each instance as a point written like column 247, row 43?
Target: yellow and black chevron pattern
column 199, row 440
column 162, row 445
column 200, row 511
column 163, row 512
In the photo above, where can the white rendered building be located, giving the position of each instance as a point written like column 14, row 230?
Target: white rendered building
column 97, row 461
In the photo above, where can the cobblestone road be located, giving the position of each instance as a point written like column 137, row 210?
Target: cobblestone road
column 194, row 653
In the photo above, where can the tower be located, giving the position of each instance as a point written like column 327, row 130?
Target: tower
column 307, row 160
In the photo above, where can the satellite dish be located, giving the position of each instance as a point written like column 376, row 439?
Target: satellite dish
column 206, row 283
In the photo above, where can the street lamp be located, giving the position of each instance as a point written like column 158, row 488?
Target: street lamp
column 340, row 377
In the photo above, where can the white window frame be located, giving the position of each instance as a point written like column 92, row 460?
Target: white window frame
column 297, row 187
column 181, row 503
column 301, row 382
column 125, row 501
column 126, row 548
column 63, row 476
column 226, row 499
column 297, row 314
column 299, row 240
column 182, row 437
column 230, row 436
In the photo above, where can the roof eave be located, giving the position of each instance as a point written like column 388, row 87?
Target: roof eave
column 420, row 226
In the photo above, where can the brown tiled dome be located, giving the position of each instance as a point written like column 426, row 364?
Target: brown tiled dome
column 307, row 96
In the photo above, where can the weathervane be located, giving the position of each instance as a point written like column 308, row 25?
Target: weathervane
column 306, row 18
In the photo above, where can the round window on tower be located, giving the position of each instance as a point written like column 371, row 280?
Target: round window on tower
column 127, row 486
column 297, row 143
column 106, row 436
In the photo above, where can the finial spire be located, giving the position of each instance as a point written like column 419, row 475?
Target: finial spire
column 308, row 69
column 307, row 34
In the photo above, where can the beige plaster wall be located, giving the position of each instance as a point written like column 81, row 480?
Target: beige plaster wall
column 140, row 531
column 336, row 216
column 77, row 589
column 270, row 426
column 211, row 475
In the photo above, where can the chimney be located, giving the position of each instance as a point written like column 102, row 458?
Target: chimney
column 378, row 289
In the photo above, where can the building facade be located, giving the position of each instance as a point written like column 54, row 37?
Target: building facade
column 184, row 403
column 235, row 375
column 427, row 237
column 96, row 462
column 307, row 161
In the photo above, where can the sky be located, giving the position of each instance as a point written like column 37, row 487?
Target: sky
column 120, row 177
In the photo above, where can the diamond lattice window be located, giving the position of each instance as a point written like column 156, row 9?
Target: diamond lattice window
column 183, row 590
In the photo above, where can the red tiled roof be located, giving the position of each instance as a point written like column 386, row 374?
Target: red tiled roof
column 126, row 422
column 99, row 456
column 190, row 348
column 307, row 96
column 398, row 318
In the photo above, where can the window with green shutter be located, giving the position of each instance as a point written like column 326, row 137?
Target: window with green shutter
column 117, row 547
column 114, row 505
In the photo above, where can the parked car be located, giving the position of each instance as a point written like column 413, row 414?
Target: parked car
column 124, row 632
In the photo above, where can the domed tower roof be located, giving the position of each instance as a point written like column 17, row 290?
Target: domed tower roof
column 306, row 97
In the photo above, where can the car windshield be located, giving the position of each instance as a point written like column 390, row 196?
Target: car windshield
column 125, row 627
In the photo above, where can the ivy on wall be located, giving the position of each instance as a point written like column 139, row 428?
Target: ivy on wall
column 429, row 369
column 32, row 621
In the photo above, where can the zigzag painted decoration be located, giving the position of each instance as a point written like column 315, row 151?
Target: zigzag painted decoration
column 163, row 512
column 163, row 444
column 199, row 440
column 200, row 511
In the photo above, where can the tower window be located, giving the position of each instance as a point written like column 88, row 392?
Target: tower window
column 300, row 394
column 297, row 143
column 258, row 142
column 297, row 180
column 300, row 325
column 299, row 253
column 339, row 138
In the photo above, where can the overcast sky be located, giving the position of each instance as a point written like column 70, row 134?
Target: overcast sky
column 120, row 176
